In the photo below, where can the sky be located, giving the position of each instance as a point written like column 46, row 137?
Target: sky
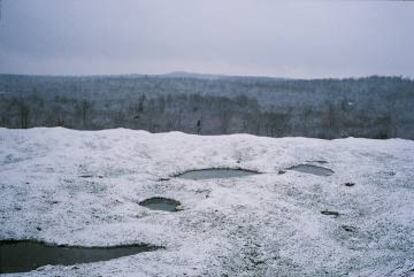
column 296, row 39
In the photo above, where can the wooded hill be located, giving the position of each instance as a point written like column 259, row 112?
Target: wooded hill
column 372, row 107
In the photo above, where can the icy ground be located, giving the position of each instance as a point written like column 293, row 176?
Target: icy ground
column 83, row 188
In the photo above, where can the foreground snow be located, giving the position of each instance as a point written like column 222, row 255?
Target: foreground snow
column 263, row 225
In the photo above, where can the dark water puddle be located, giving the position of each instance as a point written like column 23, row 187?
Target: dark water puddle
column 23, row 256
column 349, row 228
column 216, row 173
column 333, row 213
column 161, row 204
column 349, row 184
column 90, row 176
column 312, row 169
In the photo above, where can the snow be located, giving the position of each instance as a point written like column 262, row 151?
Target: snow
column 261, row 225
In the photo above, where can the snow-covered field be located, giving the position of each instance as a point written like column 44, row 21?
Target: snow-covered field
column 268, row 224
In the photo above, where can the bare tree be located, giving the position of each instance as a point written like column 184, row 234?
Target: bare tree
column 24, row 114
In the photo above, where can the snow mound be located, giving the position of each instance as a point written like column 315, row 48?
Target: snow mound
column 83, row 188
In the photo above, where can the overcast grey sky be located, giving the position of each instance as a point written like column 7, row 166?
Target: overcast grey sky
column 304, row 39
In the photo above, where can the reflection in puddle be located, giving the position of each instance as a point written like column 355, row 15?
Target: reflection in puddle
column 162, row 204
column 216, row 173
column 22, row 256
column 312, row 169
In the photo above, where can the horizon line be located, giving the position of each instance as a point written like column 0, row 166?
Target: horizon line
column 198, row 75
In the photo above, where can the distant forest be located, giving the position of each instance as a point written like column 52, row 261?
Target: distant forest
column 372, row 107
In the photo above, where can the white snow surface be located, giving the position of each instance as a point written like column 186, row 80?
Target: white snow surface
column 268, row 224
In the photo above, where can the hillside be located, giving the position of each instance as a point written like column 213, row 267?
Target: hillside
column 373, row 107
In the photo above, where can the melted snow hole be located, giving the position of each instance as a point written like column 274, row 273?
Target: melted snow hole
column 216, row 173
column 312, row 169
column 23, row 256
column 162, row 204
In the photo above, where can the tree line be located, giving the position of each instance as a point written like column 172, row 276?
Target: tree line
column 374, row 107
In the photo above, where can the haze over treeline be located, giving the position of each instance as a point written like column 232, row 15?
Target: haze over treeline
column 372, row 107
column 295, row 39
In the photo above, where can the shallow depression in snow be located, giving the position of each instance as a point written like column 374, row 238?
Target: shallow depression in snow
column 160, row 203
column 22, row 256
column 312, row 169
column 216, row 173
